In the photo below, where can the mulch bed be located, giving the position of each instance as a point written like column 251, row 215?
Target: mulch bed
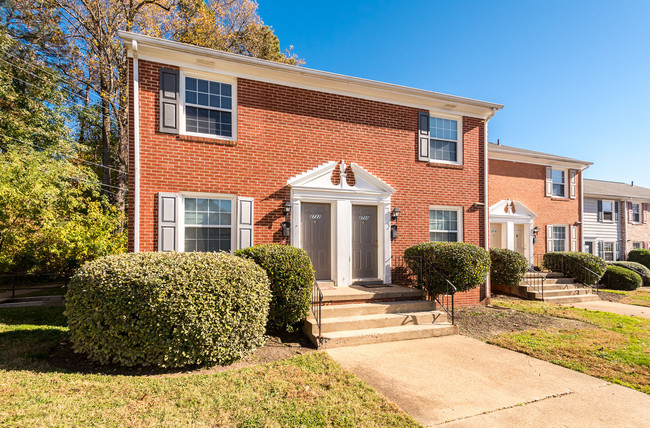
column 486, row 322
column 277, row 347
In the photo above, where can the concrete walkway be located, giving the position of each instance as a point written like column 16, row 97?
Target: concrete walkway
column 613, row 307
column 459, row 381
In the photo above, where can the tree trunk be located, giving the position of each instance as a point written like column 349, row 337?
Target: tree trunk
column 106, row 134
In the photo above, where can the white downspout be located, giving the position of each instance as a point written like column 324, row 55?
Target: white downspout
column 136, row 149
column 488, row 285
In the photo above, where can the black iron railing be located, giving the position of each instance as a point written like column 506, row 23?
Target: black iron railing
column 575, row 269
column 535, row 280
column 421, row 274
column 316, row 311
column 22, row 281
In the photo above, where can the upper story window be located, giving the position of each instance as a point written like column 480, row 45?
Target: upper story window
column 440, row 139
column 636, row 213
column 559, row 183
column 445, row 224
column 443, row 139
column 208, row 107
column 608, row 211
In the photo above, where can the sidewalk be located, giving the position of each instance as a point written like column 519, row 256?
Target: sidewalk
column 613, row 307
column 459, row 381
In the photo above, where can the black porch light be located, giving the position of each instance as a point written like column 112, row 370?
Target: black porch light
column 394, row 215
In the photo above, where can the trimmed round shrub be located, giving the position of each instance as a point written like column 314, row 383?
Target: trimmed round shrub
column 569, row 263
column 168, row 309
column 508, row 267
column 643, row 271
column 466, row 266
column 292, row 280
column 620, row 278
column 640, row 256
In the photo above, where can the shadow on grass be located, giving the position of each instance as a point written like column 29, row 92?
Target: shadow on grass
column 34, row 315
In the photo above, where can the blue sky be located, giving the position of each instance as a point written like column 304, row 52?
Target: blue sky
column 574, row 76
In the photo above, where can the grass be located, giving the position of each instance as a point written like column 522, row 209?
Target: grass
column 639, row 297
column 616, row 349
column 306, row 390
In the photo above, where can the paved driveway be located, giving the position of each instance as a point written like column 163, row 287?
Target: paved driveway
column 459, row 381
column 616, row 308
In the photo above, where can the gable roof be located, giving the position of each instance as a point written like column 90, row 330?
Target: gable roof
column 613, row 189
column 501, row 152
column 214, row 61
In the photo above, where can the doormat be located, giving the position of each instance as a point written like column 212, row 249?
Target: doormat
column 372, row 285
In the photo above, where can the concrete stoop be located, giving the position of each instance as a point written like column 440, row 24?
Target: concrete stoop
column 557, row 289
column 358, row 315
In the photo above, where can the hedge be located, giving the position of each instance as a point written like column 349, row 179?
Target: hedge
column 569, row 262
column 640, row 256
column 292, row 279
column 168, row 309
column 643, row 271
column 466, row 266
column 620, row 278
column 508, row 267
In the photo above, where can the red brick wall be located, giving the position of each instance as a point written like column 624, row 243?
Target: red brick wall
column 284, row 131
column 526, row 183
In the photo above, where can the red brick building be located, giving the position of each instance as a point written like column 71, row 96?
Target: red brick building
column 535, row 201
column 229, row 151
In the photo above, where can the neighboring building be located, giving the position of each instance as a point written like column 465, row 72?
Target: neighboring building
column 616, row 218
column 535, row 201
column 228, row 151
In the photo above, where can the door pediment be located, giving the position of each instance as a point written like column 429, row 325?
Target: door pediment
column 511, row 210
column 320, row 179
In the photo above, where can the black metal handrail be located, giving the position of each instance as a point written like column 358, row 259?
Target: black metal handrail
column 404, row 273
column 316, row 311
column 569, row 262
column 534, row 280
column 18, row 281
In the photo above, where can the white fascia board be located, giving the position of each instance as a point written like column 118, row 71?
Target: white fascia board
column 624, row 198
column 213, row 61
column 538, row 160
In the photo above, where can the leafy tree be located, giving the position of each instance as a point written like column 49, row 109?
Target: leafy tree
column 52, row 217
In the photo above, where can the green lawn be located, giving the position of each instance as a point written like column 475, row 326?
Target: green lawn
column 616, row 349
column 639, row 297
column 306, row 390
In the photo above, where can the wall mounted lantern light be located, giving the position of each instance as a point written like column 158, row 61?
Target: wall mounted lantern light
column 286, row 225
column 535, row 232
column 394, row 215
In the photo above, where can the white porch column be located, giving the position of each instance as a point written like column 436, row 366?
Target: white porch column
column 295, row 223
column 384, row 214
column 510, row 235
column 342, row 252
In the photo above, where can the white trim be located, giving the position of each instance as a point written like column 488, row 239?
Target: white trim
column 199, row 58
column 640, row 204
column 459, row 222
column 565, row 174
column 520, row 215
column 459, row 138
column 613, row 219
column 136, row 149
column 214, row 77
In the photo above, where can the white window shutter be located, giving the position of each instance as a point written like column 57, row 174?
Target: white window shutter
column 423, row 137
column 572, row 184
column 574, row 238
column 549, row 181
column 245, row 219
column 644, row 214
column 549, row 238
column 167, row 222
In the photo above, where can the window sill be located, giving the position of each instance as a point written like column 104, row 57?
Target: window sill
column 445, row 165
column 560, row 198
column 210, row 140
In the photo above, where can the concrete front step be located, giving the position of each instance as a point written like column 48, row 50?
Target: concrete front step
column 560, row 300
column 572, row 286
column 386, row 334
column 537, row 295
column 375, row 321
column 549, row 281
column 361, row 294
column 544, row 274
column 370, row 308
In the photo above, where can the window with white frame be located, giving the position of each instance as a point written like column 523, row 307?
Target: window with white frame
column 208, row 224
column 445, row 224
column 558, row 238
column 608, row 251
column 608, row 210
column 636, row 213
column 559, row 183
column 589, row 247
column 208, row 107
column 444, row 144
column 637, row 245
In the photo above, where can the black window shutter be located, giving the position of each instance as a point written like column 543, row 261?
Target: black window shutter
column 616, row 210
column 600, row 210
column 169, row 100
column 423, row 136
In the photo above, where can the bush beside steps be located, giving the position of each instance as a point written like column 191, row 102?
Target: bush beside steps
column 643, row 271
column 168, row 309
column 507, row 269
column 620, row 278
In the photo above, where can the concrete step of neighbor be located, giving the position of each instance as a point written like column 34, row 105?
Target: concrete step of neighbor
column 375, row 321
